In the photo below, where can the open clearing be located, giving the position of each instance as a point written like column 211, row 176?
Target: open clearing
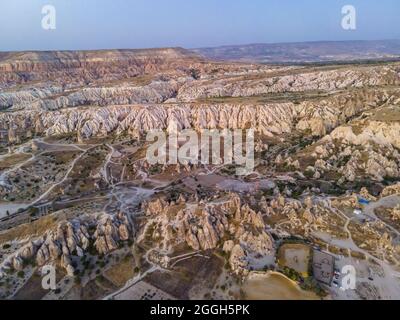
column 295, row 256
column 274, row 286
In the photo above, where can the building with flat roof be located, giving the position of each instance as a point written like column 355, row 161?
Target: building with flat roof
column 323, row 267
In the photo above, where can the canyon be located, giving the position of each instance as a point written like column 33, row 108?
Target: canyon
column 79, row 194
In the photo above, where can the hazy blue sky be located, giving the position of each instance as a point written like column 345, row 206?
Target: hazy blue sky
column 95, row 24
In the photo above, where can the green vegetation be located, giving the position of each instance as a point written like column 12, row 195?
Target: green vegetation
column 155, row 169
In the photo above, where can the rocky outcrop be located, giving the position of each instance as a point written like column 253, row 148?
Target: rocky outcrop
column 363, row 148
column 54, row 98
column 70, row 68
column 72, row 239
column 110, row 231
column 330, row 80
column 205, row 227
column 391, row 190
column 269, row 119
column 381, row 133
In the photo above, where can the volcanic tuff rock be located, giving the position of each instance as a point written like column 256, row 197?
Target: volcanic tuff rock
column 54, row 98
column 72, row 67
column 330, row 80
column 204, row 227
column 391, row 190
column 110, row 230
column 267, row 119
column 95, row 93
column 322, row 133
column 72, row 238
column 377, row 132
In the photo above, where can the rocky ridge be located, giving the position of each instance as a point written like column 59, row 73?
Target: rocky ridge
column 71, row 239
column 225, row 223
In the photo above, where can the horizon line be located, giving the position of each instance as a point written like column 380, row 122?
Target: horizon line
column 198, row 48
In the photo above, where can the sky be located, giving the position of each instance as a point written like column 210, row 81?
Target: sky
column 112, row 24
